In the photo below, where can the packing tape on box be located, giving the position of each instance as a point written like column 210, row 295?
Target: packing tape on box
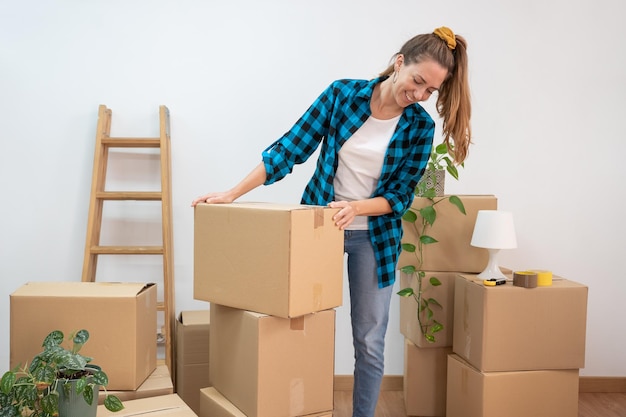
column 526, row 279
column 544, row 278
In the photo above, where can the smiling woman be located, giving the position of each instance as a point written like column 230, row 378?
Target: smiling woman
column 374, row 142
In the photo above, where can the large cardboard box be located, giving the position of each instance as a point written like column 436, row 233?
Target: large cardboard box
column 541, row 393
column 192, row 355
column 158, row 383
column 509, row 328
column 425, row 380
column 164, row 405
column 443, row 294
column 281, row 260
column 270, row 366
column 120, row 318
column 453, row 230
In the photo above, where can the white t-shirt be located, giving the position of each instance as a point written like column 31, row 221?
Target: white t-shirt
column 361, row 162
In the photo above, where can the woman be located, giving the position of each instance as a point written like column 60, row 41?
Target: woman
column 375, row 143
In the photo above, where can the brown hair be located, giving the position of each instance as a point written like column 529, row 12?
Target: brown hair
column 453, row 102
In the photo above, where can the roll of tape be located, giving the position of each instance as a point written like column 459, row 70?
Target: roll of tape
column 526, row 279
column 544, row 278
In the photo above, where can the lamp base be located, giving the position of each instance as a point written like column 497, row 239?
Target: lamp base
column 492, row 270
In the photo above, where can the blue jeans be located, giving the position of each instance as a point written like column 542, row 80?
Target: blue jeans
column 369, row 312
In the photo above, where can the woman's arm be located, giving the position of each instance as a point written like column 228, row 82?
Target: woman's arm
column 254, row 179
column 376, row 206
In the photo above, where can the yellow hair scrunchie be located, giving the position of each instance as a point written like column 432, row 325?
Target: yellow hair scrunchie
column 447, row 36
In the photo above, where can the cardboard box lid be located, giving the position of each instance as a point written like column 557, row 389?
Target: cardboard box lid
column 81, row 289
column 164, row 405
column 194, row 317
column 264, row 206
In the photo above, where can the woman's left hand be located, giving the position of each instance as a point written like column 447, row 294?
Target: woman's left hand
column 345, row 216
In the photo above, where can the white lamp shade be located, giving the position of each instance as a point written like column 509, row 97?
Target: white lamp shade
column 494, row 229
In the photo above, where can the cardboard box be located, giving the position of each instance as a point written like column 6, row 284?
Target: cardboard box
column 453, row 230
column 120, row 318
column 508, row 328
column 270, row 366
column 214, row 404
column 192, row 355
column 444, row 294
column 425, row 379
column 542, row 393
column 158, row 383
column 281, row 260
column 165, row 405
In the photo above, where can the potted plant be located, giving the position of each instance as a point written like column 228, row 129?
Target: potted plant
column 433, row 181
column 58, row 382
column 422, row 220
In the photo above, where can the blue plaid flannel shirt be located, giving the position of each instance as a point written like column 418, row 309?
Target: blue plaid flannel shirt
column 330, row 121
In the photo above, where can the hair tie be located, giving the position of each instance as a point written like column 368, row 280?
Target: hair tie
column 447, row 36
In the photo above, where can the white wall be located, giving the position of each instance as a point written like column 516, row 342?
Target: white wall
column 548, row 88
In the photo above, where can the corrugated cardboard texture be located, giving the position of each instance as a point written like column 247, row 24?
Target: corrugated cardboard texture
column 281, row 260
column 508, row 328
column 120, row 318
column 425, row 379
column 165, row 405
column 266, row 368
column 453, row 230
column 192, row 355
column 158, row 383
column 544, row 393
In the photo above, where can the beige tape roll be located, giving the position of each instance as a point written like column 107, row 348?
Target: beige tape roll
column 526, row 279
column 544, row 278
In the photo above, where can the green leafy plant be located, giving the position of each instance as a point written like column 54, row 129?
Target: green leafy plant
column 33, row 390
column 422, row 220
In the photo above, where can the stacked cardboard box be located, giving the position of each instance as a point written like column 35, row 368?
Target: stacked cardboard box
column 273, row 275
column 517, row 351
column 192, row 355
column 425, row 364
column 120, row 318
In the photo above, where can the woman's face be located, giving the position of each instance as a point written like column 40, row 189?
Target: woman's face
column 417, row 82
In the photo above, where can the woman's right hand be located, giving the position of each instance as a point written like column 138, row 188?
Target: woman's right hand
column 214, row 198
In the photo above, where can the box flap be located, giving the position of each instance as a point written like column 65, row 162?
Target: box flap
column 81, row 289
column 195, row 317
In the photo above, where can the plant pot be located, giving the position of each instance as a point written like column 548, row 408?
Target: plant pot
column 72, row 404
column 432, row 180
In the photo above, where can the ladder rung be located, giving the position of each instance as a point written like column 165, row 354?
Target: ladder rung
column 129, row 195
column 160, row 306
column 132, row 142
column 127, row 250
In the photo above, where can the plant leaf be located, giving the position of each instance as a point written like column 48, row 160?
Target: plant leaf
column 436, row 327
column 81, row 384
column 457, row 202
column 55, row 338
column 441, row 149
column 452, row 170
column 407, row 292
column 429, row 214
column 435, row 302
column 88, row 395
column 409, row 216
column 50, row 403
column 429, row 337
column 434, row 281
column 112, row 403
column 408, row 247
column 408, row 269
column 8, row 379
column 427, row 240
column 101, row 378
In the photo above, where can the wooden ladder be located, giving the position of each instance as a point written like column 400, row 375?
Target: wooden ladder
column 98, row 196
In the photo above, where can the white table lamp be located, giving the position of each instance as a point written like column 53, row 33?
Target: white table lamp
column 494, row 230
